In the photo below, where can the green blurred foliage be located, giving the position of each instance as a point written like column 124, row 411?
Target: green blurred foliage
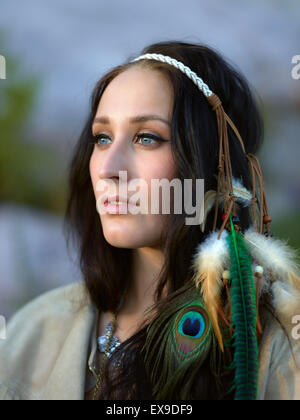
column 288, row 228
column 30, row 173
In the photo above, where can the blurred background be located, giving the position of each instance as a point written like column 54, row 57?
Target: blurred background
column 54, row 54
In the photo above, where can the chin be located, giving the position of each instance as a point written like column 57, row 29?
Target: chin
column 117, row 243
column 128, row 240
column 131, row 233
column 120, row 239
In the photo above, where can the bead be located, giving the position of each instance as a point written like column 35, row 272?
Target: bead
column 259, row 269
column 226, row 275
column 236, row 219
column 224, row 216
column 267, row 219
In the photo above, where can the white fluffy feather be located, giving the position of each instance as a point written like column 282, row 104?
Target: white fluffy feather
column 282, row 270
column 210, row 260
column 243, row 196
column 281, row 277
column 213, row 254
column 275, row 255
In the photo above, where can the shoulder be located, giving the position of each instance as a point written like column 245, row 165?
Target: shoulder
column 58, row 304
column 36, row 335
column 48, row 313
column 279, row 359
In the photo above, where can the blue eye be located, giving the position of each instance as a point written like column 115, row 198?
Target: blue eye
column 149, row 140
column 100, row 139
column 153, row 139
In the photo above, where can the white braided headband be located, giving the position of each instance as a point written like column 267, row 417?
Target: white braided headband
column 213, row 99
column 179, row 65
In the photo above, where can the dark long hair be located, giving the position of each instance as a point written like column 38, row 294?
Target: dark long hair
column 106, row 269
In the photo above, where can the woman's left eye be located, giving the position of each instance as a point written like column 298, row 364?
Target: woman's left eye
column 150, row 138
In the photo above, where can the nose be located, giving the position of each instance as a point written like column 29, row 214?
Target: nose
column 110, row 165
column 113, row 159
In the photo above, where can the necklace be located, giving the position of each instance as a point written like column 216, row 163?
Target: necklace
column 105, row 355
column 107, row 344
column 103, row 339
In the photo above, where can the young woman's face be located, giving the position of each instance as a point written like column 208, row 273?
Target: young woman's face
column 135, row 92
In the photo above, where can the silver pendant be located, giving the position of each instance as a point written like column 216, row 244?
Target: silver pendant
column 102, row 341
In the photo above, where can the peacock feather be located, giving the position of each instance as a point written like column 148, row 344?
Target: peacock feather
column 177, row 343
column 242, row 294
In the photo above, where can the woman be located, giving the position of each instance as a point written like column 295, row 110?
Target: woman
column 168, row 309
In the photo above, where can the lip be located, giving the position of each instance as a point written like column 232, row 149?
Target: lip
column 121, row 208
column 124, row 200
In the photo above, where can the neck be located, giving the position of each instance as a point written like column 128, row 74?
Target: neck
column 146, row 266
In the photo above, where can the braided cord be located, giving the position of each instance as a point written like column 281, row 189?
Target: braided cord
column 179, row 65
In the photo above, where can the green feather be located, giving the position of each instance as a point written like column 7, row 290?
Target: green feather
column 173, row 351
column 242, row 293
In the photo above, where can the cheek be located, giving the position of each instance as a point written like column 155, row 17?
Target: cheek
column 161, row 166
column 148, row 173
column 160, row 169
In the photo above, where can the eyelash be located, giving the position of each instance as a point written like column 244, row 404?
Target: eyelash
column 138, row 136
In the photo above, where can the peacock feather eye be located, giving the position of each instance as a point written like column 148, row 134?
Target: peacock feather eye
column 192, row 324
column 190, row 330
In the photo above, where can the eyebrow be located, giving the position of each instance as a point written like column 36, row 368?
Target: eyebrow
column 136, row 119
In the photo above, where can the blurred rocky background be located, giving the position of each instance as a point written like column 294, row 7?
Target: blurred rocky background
column 56, row 51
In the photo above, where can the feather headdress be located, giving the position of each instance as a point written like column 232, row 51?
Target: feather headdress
column 225, row 261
